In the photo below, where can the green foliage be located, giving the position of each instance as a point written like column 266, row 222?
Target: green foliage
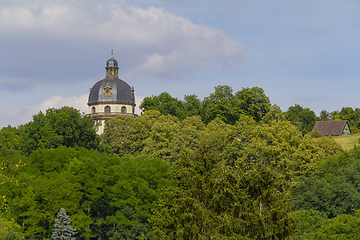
column 240, row 145
column 166, row 105
column 253, row 102
column 313, row 225
column 192, row 105
column 62, row 229
column 8, row 227
column 159, row 135
column 315, row 134
column 307, row 223
column 342, row 227
column 11, row 235
column 97, row 189
column 330, row 167
column 330, row 146
column 210, row 201
column 141, row 230
column 290, row 154
column 228, row 107
column 303, row 118
column 274, row 114
column 334, row 194
column 352, row 116
column 58, row 127
column 324, row 116
column 9, row 140
column 220, row 104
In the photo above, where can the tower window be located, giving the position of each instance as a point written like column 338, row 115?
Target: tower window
column 123, row 110
column 93, row 110
column 107, row 109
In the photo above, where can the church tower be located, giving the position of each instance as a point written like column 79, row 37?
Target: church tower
column 110, row 96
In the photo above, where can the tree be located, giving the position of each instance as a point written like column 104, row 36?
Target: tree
column 220, row 104
column 313, row 225
column 333, row 194
column 308, row 222
column 209, row 201
column 8, row 228
column 165, row 104
column 330, row 146
column 11, row 235
column 63, row 230
column 324, row 116
column 303, row 118
column 192, row 105
column 279, row 143
column 253, row 102
column 9, row 140
column 274, row 114
column 352, row 116
column 228, row 107
column 58, row 127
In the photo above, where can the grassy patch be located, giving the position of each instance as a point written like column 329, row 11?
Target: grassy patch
column 348, row 142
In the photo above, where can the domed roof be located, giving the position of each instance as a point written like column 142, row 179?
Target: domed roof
column 112, row 90
column 111, row 63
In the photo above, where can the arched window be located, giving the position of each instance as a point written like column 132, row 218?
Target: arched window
column 123, row 110
column 107, row 109
column 93, row 110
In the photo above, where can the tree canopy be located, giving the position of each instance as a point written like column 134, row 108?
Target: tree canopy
column 209, row 201
column 58, row 127
column 230, row 166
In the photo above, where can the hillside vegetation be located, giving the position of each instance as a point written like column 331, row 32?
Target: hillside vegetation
column 348, row 142
column 230, row 167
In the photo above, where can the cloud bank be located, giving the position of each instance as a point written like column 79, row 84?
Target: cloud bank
column 149, row 43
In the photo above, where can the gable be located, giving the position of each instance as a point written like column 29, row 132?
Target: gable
column 333, row 128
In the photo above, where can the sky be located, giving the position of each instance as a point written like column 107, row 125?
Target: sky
column 302, row 52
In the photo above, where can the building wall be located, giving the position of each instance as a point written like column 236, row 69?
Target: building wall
column 115, row 108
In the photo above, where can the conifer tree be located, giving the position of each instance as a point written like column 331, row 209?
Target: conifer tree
column 63, row 230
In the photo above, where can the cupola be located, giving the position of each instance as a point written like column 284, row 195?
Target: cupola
column 112, row 67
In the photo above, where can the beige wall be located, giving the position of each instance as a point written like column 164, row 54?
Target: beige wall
column 113, row 108
column 100, row 110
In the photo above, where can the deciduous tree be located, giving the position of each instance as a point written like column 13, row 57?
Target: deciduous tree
column 59, row 127
column 165, row 104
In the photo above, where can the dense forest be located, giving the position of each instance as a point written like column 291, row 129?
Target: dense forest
column 232, row 166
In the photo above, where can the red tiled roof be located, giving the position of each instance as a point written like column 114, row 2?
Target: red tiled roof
column 333, row 128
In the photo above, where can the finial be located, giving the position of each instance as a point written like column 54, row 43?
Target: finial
column 112, row 53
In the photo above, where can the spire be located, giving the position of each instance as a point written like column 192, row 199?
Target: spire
column 112, row 53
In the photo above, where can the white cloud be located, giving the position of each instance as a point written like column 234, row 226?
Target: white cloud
column 17, row 117
column 151, row 43
column 138, row 100
column 59, row 101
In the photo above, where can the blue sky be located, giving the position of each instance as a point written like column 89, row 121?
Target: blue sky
column 299, row 52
